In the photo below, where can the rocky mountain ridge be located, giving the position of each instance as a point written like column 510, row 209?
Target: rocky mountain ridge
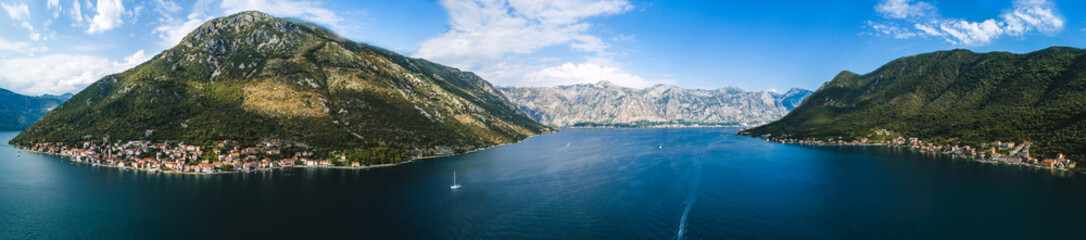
column 606, row 104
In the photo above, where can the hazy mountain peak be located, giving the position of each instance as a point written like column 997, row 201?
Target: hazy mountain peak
column 19, row 111
column 656, row 105
column 605, row 84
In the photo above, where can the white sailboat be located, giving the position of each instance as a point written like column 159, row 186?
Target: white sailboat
column 454, row 185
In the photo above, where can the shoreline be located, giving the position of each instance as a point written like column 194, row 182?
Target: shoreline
column 918, row 149
column 472, row 151
column 657, row 126
column 72, row 158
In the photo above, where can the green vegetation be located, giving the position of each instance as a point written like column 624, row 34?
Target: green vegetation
column 955, row 97
column 254, row 78
column 376, row 155
column 226, row 168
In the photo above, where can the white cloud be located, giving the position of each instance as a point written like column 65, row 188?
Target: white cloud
column 21, row 14
column 166, row 7
column 494, row 38
column 1029, row 15
column 920, row 19
column 483, row 30
column 901, row 9
column 570, row 73
column 76, row 12
column 308, row 11
column 892, row 30
column 172, row 30
column 55, row 6
column 624, row 38
column 172, row 33
column 21, row 47
column 16, row 11
column 109, row 16
column 60, row 73
column 13, row 46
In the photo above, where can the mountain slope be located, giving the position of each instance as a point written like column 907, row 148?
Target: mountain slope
column 260, row 79
column 17, row 112
column 955, row 96
column 605, row 104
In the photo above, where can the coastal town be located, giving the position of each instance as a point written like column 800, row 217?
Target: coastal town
column 997, row 152
column 227, row 156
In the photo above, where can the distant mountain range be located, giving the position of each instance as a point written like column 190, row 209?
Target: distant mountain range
column 17, row 111
column 257, row 79
column 61, row 97
column 606, row 104
column 955, row 97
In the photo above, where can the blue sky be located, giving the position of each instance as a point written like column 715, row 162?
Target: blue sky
column 58, row 46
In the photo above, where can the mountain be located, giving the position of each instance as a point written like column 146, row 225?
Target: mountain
column 954, row 96
column 17, row 112
column 793, row 97
column 62, row 97
column 605, row 104
column 258, row 79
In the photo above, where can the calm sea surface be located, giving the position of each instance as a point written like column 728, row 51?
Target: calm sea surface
column 579, row 183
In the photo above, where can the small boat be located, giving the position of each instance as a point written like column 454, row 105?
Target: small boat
column 454, row 185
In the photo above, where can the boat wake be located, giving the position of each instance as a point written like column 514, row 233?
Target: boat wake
column 564, row 148
column 690, row 199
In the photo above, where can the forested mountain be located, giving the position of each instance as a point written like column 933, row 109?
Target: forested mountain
column 955, row 96
column 256, row 78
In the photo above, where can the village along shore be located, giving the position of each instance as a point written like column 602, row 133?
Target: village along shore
column 179, row 158
column 997, row 152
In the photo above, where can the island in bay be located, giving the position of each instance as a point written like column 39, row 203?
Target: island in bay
column 251, row 91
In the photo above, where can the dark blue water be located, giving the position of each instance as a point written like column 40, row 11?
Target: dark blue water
column 576, row 184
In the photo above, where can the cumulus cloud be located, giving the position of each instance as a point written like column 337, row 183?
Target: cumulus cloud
column 489, row 37
column 482, row 30
column 907, row 19
column 109, row 16
column 171, row 34
column 60, row 73
column 17, row 11
column 570, row 73
column 309, row 11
